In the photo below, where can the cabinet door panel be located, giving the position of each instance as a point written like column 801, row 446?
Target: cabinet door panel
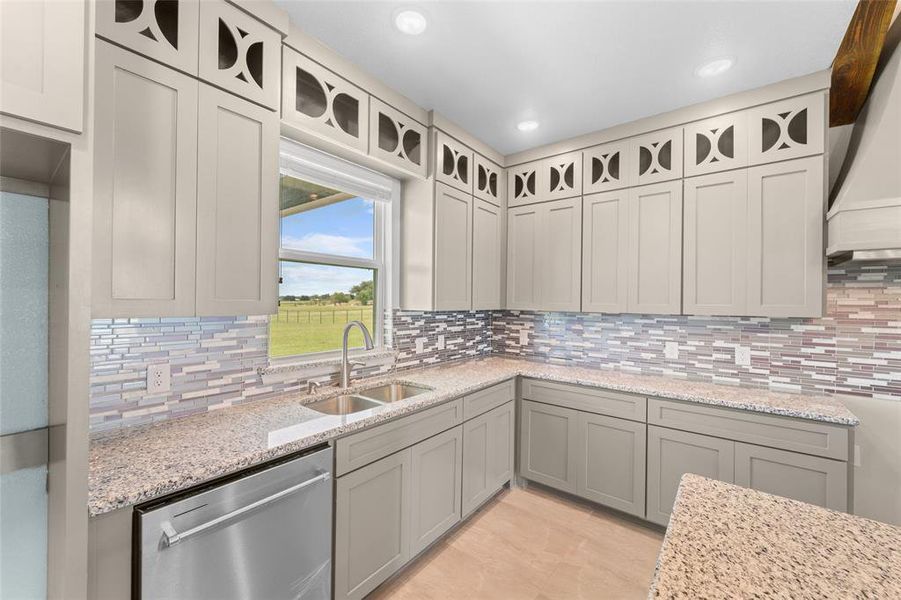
column 716, row 144
column 502, row 424
column 453, row 162
column 145, row 185
column 656, row 157
column 397, row 139
column 237, row 207
column 372, row 515
column 655, row 248
column 605, row 247
column 523, row 184
column 606, row 167
column 612, row 462
column 489, row 181
column 164, row 31
column 453, row 249
column 239, row 54
column 523, row 231
column 476, row 443
column 548, row 445
column 673, row 453
column 487, row 232
column 715, row 230
column 317, row 100
column 561, row 176
column 560, row 258
column 42, row 49
column 787, row 129
column 436, row 475
column 786, row 264
column 810, row 479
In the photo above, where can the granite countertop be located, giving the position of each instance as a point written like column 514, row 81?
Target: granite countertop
column 140, row 463
column 725, row 541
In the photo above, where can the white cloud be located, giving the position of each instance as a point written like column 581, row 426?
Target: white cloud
column 324, row 243
column 302, row 278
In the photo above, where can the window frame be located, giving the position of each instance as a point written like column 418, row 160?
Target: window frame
column 308, row 164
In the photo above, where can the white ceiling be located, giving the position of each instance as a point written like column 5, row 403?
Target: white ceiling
column 575, row 67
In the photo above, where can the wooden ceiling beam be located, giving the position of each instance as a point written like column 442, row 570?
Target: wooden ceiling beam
column 856, row 59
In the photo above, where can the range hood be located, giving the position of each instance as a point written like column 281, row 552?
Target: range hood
column 864, row 219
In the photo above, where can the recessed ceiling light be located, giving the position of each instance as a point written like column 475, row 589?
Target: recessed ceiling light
column 411, row 22
column 527, row 125
column 714, row 68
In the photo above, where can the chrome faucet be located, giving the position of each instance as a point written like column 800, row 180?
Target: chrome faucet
column 347, row 365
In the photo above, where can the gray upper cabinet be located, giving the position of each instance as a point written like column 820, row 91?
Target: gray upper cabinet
column 487, row 255
column 673, row 453
column 656, row 157
column 787, row 129
column 489, row 181
column 437, row 465
column 318, row 101
column 239, row 53
column 488, row 442
column 605, row 251
column 544, row 256
column 372, row 524
column 561, row 176
column 548, row 445
column 164, row 31
column 606, row 167
column 237, row 206
column 523, row 184
column 655, row 248
column 453, row 162
column 786, row 267
column 453, row 248
column 716, row 244
column 612, row 462
column 397, row 139
column 811, row 479
column 43, row 49
column 145, row 185
column 716, row 144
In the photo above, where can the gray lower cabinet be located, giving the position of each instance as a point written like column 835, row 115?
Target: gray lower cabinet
column 372, row 516
column 673, row 453
column 548, row 445
column 811, row 479
column 611, row 459
column 487, row 455
column 436, row 476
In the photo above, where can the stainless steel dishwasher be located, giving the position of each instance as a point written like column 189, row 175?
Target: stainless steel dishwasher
column 264, row 534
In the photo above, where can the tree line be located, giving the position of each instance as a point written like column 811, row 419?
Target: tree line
column 362, row 292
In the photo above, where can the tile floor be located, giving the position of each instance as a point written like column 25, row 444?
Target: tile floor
column 531, row 544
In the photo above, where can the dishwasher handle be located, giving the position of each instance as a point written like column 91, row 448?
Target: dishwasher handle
column 172, row 537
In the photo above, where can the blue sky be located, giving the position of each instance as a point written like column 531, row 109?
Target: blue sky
column 344, row 228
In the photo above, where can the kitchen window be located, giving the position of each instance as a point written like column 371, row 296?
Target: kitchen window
column 336, row 253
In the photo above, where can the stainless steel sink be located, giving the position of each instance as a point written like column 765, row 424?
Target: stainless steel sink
column 392, row 392
column 343, row 405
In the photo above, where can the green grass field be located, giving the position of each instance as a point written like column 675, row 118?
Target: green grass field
column 302, row 327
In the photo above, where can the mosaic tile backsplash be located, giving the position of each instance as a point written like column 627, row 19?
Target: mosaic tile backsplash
column 855, row 349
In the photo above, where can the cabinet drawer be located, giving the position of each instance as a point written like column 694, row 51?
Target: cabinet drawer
column 603, row 402
column 487, row 399
column 797, row 435
column 359, row 449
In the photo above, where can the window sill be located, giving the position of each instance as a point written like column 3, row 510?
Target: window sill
column 316, row 367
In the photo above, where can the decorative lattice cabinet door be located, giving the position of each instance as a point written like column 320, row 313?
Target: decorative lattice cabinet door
column 522, row 184
column 656, row 157
column 561, row 176
column 453, row 162
column 322, row 103
column 788, row 129
column 717, row 144
column 489, row 183
column 397, row 139
column 239, row 54
column 605, row 167
column 164, row 30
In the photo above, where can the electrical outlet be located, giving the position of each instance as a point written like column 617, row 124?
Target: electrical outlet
column 441, row 342
column 159, row 378
column 671, row 350
column 420, row 345
column 743, row 356
column 523, row 337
